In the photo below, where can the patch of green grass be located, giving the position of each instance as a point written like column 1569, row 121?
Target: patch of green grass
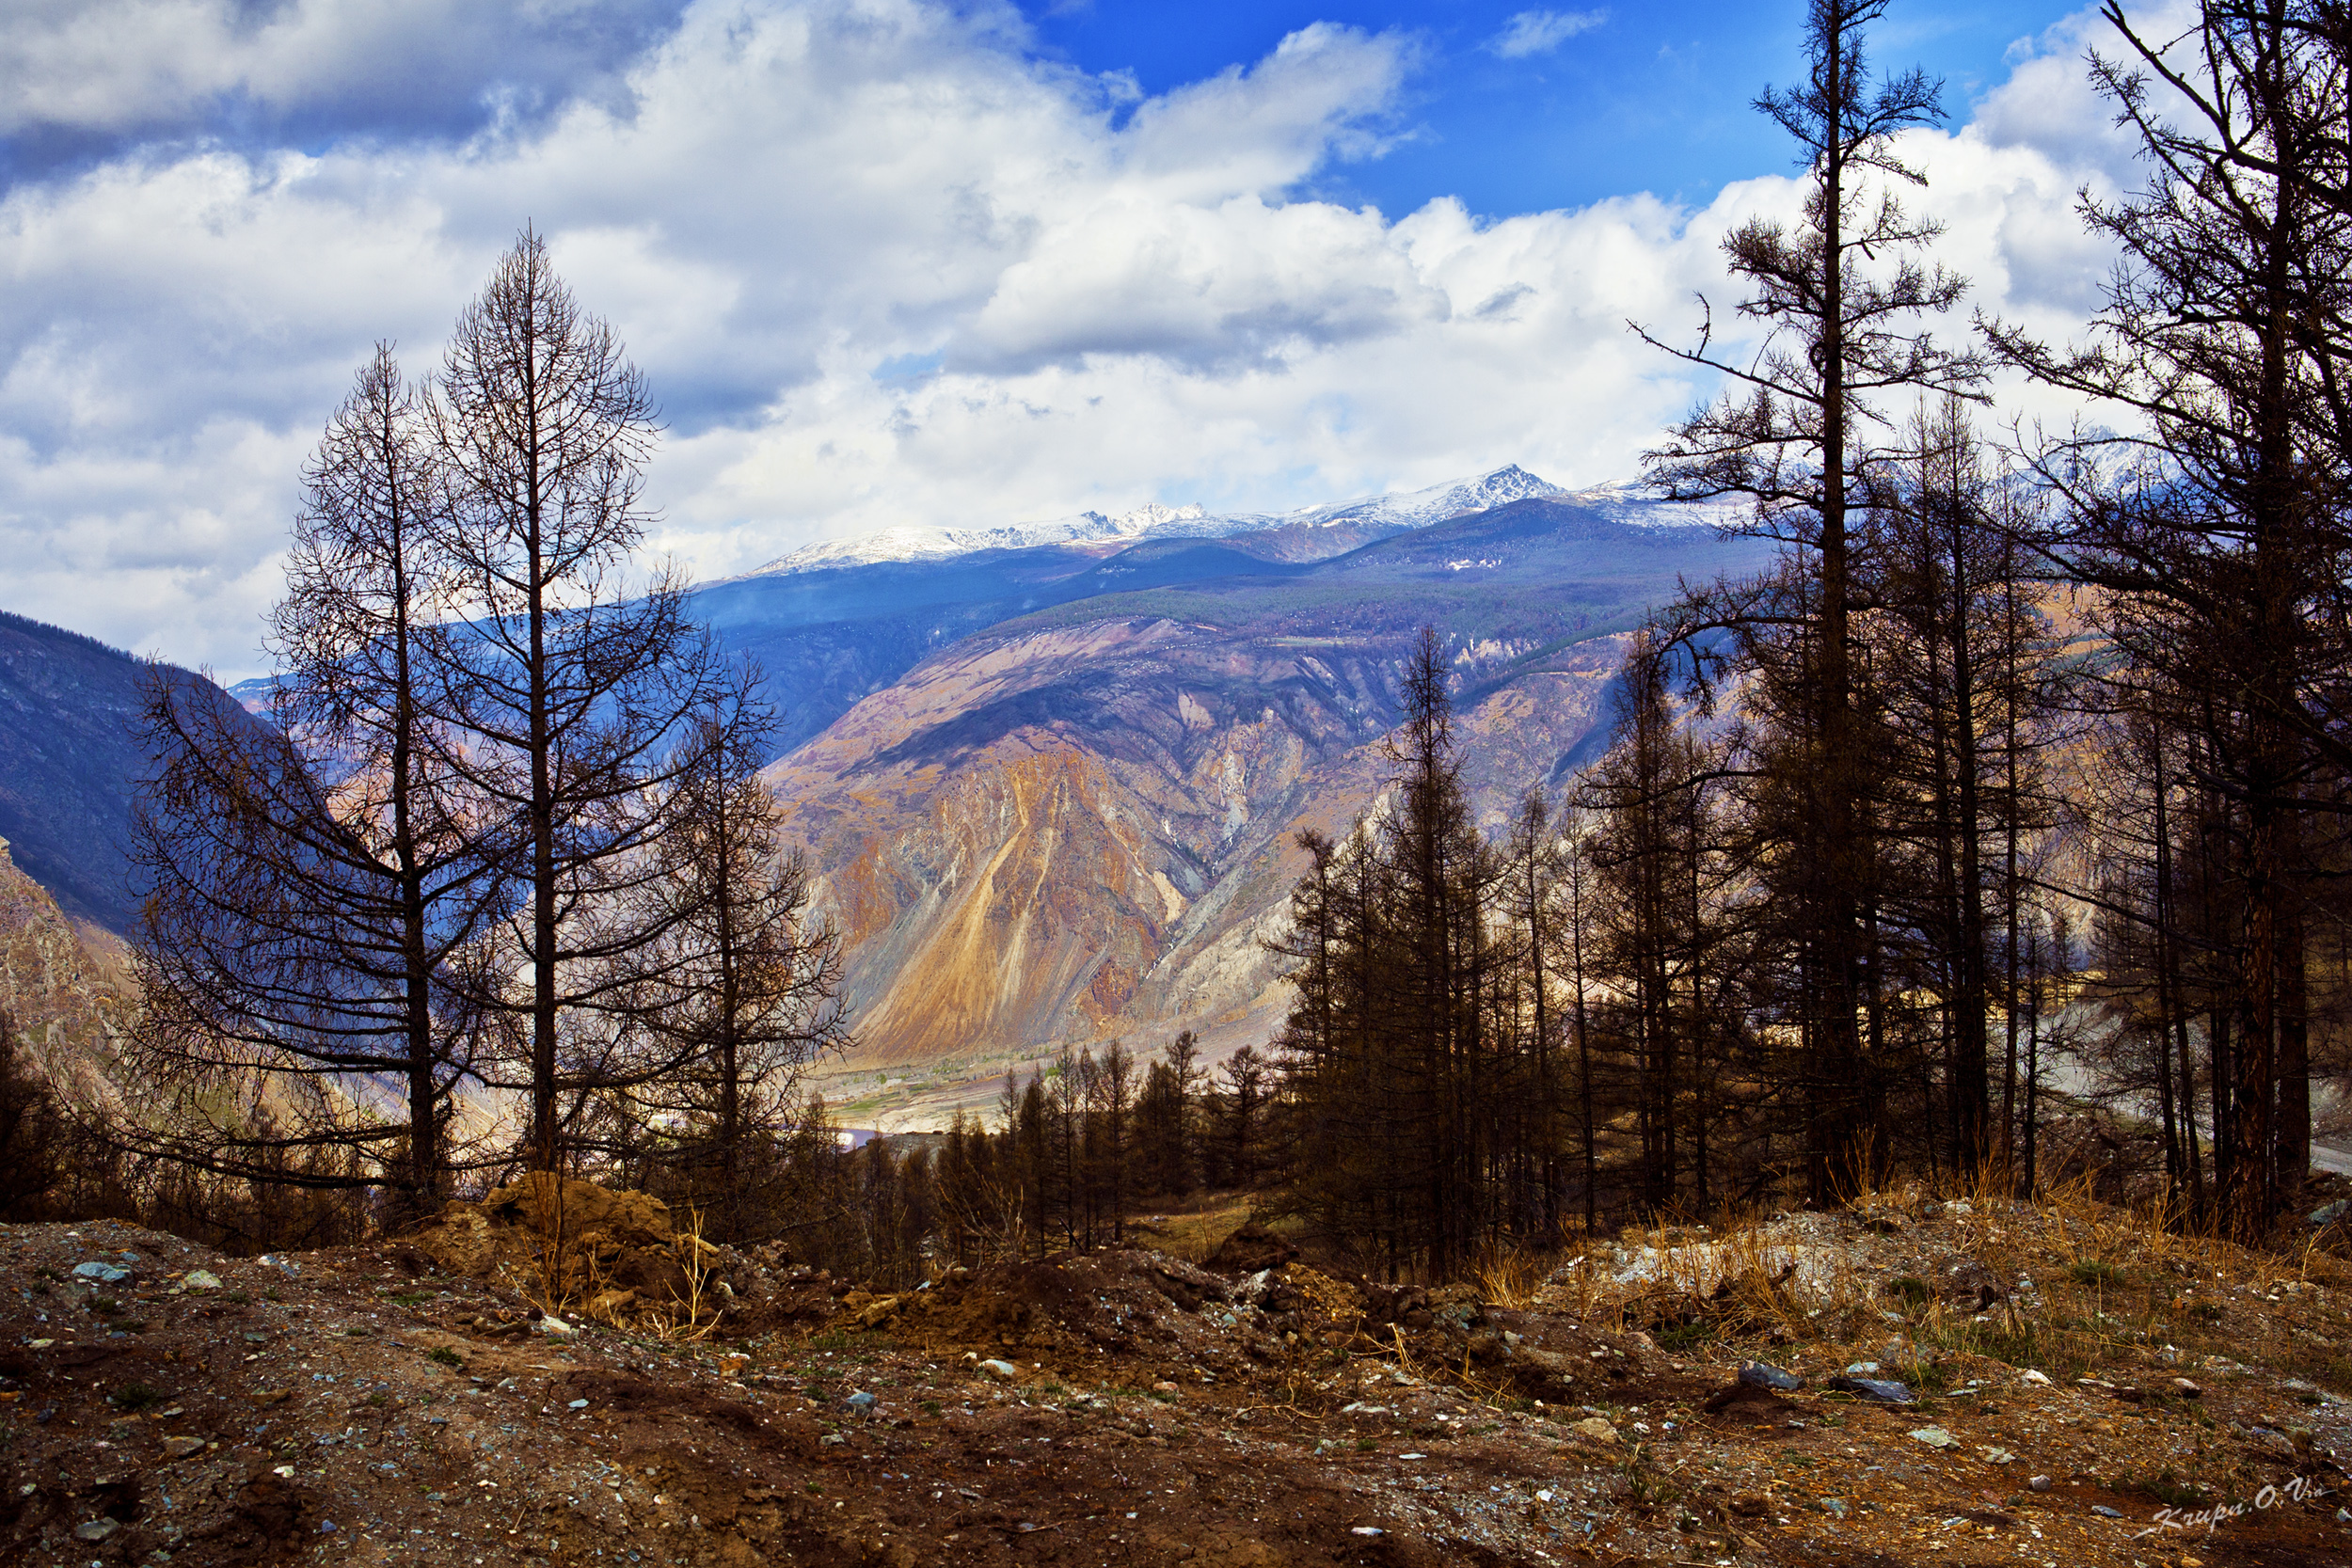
column 930, row 1407
column 378, row 1400
column 2026, row 1344
column 1682, row 1337
column 240, row 1298
column 446, row 1357
column 1909, row 1289
column 137, row 1396
column 2095, row 1270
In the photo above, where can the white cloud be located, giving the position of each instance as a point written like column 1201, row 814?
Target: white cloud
column 1530, row 33
column 1072, row 299
column 124, row 65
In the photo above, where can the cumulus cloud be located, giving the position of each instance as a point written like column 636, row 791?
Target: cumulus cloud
column 1529, row 33
column 882, row 267
column 95, row 67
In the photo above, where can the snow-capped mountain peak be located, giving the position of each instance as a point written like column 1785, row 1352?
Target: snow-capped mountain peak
column 1397, row 510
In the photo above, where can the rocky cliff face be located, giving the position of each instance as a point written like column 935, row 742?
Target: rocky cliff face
column 1066, row 833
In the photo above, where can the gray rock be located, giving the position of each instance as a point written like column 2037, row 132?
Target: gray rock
column 105, row 1273
column 1884, row 1390
column 1763, row 1374
column 201, row 1280
column 96, row 1529
column 2104, row 1512
column 1835, row 1507
column 2038, row 1483
column 860, row 1402
column 1004, row 1371
column 1935, row 1437
column 2328, row 1213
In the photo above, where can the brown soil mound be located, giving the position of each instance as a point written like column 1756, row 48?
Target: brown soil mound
column 563, row 1238
column 1251, row 1249
column 1108, row 1302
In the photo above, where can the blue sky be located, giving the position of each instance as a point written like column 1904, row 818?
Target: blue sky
column 1634, row 97
column 918, row 263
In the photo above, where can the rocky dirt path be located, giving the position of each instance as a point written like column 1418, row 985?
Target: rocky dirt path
column 162, row 1403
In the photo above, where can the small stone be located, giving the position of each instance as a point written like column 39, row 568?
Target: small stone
column 1995, row 1456
column 2104, row 1512
column 179, row 1448
column 860, row 1402
column 576, row 1404
column 1596, row 1429
column 1005, row 1371
column 1763, row 1374
column 1835, row 1507
column 1878, row 1389
column 832, row 1440
column 1163, row 1386
column 554, row 1328
column 199, row 1279
column 2040, row 1380
column 1934, row 1437
column 2186, row 1389
column 2038, row 1483
column 1861, row 1368
column 96, row 1529
column 105, row 1273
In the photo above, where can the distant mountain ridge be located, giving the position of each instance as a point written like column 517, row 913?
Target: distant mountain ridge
column 830, row 625
column 1393, row 511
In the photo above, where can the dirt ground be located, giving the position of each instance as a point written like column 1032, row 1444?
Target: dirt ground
column 366, row 1406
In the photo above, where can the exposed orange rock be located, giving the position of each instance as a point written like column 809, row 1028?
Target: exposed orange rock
column 1053, row 837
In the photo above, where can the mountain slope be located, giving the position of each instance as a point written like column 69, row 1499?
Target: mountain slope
column 1081, row 822
column 70, row 758
column 1080, row 832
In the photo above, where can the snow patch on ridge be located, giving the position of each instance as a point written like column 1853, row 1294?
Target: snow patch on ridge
column 1406, row 509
